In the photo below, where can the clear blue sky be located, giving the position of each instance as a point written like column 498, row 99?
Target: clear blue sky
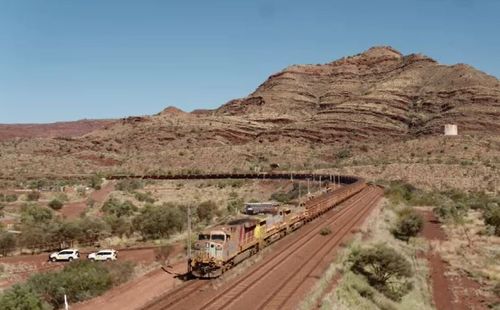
column 68, row 60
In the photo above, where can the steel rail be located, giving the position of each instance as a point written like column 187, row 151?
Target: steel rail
column 278, row 258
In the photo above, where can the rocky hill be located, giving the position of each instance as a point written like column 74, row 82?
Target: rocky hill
column 296, row 117
column 371, row 96
column 376, row 93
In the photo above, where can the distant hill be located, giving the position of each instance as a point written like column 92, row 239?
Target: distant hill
column 59, row 129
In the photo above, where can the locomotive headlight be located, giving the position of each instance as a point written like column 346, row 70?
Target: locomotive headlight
column 219, row 247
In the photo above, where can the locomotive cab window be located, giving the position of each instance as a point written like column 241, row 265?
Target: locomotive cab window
column 203, row 237
column 219, row 237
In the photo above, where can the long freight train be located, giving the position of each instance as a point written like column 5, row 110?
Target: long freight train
column 221, row 247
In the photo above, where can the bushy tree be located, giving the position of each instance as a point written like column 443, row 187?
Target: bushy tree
column 95, row 182
column 119, row 226
column 129, row 185
column 408, row 224
column 144, row 197
column 22, row 297
column 207, row 210
column 115, row 207
column 79, row 281
column 492, row 218
column 55, row 204
column 343, row 154
column 7, row 243
column 31, row 213
column 386, row 270
column 33, row 196
column 10, row 198
column 92, row 228
column 235, row 203
column 158, row 221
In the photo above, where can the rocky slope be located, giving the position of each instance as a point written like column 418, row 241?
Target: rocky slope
column 377, row 97
column 377, row 93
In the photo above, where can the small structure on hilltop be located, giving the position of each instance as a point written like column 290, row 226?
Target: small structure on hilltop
column 450, row 130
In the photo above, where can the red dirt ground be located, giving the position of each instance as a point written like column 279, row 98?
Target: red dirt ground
column 449, row 292
column 144, row 288
column 74, row 209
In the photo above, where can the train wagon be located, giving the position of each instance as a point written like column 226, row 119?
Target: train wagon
column 270, row 207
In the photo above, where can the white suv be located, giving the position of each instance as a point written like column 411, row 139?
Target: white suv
column 103, row 255
column 68, row 255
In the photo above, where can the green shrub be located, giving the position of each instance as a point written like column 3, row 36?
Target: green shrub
column 325, row 231
column 115, row 207
column 92, row 229
column 158, row 221
column 286, row 197
column 119, row 226
column 408, row 224
column 206, row 211
column 492, row 218
column 22, row 297
column 235, row 204
column 7, row 243
column 33, row 196
column 95, row 182
column 386, row 270
column 343, row 154
column 129, row 185
column 399, row 192
column 10, row 198
column 79, row 281
column 144, row 197
column 31, row 213
column 55, row 204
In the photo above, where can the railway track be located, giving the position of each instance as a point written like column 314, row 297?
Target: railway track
column 230, row 296
column 283, row 294
column 227, row 297
column 176, row 296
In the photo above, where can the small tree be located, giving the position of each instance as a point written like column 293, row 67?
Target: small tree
column 160, row 221
column 95, row 182
column 386, row 270
column 206, row 211
column 7, row 243
column 120, row 226
column 31, row 213
column 115, row 207
column 492, row 218
column 10, row 198
column 409, row 224
column 22, row 297
column 55, row 204
column 33, row 196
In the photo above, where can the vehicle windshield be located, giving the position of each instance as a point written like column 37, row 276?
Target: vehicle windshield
column 203, row 237
column 219, row 237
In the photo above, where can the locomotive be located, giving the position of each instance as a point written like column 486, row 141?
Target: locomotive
column 222, row 247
